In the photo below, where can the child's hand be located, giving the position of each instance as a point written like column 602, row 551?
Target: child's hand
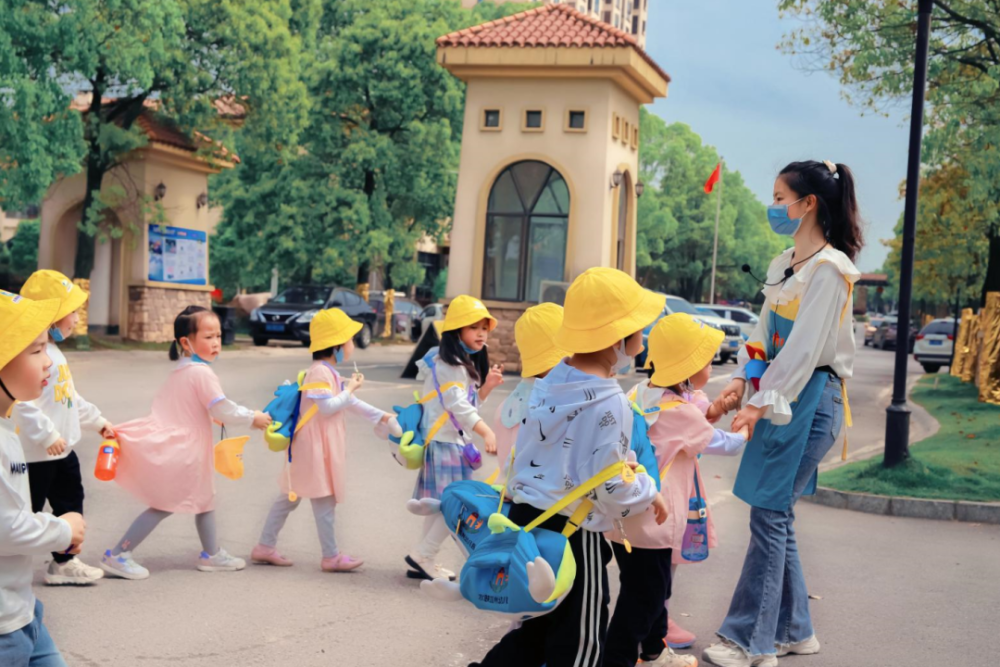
column 78, row 528
column 660, row 509
column 355, row 383
column 490, row 439
column 108, row 432
column 56, row 448
column 261, row 420
column 494, row 378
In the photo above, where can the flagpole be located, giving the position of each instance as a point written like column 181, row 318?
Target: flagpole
column 715, row 248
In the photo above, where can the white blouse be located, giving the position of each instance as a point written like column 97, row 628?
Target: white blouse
column 823, row 334
column 456, row 400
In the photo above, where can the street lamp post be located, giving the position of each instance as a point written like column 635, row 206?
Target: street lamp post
column 897, row 423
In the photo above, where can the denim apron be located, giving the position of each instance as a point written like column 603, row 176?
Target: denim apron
column 772, row 457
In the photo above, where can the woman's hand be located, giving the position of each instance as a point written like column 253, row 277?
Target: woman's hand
column 747, row 419
column 355, row 383
column 733, row 392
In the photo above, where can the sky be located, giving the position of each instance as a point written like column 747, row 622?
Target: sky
column 761, row 111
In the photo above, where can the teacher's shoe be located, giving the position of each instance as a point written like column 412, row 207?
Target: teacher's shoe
column 728, row 654
column 807, row 647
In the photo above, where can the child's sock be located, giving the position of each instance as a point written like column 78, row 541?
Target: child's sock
column 140, row 529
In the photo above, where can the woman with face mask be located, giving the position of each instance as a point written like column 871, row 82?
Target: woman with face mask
column 797, row 359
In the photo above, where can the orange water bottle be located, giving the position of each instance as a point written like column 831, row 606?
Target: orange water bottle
column 107, row 461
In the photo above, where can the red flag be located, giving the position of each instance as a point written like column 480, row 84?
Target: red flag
column 713, row 179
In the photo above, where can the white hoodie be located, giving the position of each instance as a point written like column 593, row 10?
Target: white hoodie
column 22, row 534
column 577, row 425
column 60, row 412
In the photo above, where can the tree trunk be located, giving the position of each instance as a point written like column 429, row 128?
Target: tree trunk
column 992, row 282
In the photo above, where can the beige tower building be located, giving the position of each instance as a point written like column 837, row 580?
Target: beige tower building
column 626, row 15
column 548, row 178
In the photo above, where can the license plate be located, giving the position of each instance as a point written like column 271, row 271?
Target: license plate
column 734, row 343
column 937, row 342
column 275, row 327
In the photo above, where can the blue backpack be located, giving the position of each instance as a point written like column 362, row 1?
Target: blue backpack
column 284, row 411
column 467, row 506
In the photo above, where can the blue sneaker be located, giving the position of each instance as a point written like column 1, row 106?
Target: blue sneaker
column 123, row 566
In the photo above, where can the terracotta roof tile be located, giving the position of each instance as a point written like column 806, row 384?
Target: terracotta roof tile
column 551, row 25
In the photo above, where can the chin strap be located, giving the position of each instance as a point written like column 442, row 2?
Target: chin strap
column 6, row 391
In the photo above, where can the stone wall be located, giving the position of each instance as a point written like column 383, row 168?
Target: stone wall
column 151, row 311
column 503, row 350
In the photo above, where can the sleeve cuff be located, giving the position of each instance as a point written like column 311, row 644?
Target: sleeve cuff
column 777, row 407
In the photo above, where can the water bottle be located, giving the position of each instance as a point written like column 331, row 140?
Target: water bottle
column 107, row 461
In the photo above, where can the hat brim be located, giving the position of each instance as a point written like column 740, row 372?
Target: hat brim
column 36, row 318
column 72, row 303
column 340, row 338
column 468, row 321
column 673, row 374
column 591, row 340
column 541, row 363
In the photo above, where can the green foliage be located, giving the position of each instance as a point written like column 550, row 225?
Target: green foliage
column 676, row 218
column 24, row 249
column 376, row 165
column 960, row 462
column 440, row 285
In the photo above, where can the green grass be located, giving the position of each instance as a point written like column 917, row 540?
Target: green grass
column 960, row 462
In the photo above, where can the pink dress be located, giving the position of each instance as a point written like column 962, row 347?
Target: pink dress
column 167, row 459
column 678, row 435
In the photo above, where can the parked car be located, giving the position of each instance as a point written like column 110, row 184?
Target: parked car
column 404, row 311
column 287, row 316
column 870, row 326
column 429, row 314
column 727, row 349
column 747, row 319
column 885, row 334
column 934, row 344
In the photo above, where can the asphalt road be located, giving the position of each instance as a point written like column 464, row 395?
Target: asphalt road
column 893, row 591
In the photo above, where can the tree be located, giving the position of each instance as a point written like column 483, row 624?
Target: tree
column 376, row 167
column 676, row 219
column 177, row 56
column 870, row 45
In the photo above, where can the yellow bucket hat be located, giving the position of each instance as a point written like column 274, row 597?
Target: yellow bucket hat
column 535, row 333
column 603, row 306
column 464, row 311
column 229, row 456
column 21, row 322
column 48, row 284
column 679, row 347
column 331, row 328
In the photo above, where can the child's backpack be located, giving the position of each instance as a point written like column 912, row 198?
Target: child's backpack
column 466, row 506
column 527, row 572
column 284, row 411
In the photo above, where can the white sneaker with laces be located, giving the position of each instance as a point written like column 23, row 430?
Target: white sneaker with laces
column 220, row 562
column 670, row 659
column 73, row 572
column 807, row 647
column 123, row 566
column 728, row 654
column 424, row 568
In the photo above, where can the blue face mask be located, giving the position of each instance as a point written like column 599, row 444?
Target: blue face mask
column 338, row 354
column 198, row 360
column 57, row 334
column 777, row 216
column 468, row 350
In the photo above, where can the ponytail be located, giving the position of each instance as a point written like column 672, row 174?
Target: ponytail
column 185, row 326
column 837, row 210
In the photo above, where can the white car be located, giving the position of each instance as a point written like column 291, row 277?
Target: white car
column 428, row 315
column 733, row 341
column 747, row 319
column 934, row 344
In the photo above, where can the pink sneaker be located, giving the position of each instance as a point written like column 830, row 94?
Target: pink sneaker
column 268, row 556
column 678, row 637
column 340, row 563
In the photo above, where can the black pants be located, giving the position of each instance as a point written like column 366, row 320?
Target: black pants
column 573, row 634
column 640, row 617
column 60, row 483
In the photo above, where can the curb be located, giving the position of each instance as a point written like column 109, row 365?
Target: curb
column 915, row 508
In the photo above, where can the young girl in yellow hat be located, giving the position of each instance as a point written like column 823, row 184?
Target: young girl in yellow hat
column 680, row 356
column 460, row 368
column 167, row 457
column 534, row 333
column 318, row 467
column 579, row 423
column 24, row 375
column 54, row 423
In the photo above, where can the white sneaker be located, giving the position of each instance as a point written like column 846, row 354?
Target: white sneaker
column 220, row 562
column 123, row 566
column 670, row 659
column 423, row 568
column 728, row 654
column 73, row 572
column 807, row 647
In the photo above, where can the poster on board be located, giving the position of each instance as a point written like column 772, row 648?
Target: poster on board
column 178, row 255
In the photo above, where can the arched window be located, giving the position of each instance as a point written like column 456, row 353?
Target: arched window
column 526, row 220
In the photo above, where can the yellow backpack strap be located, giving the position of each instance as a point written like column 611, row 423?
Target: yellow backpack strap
column 444, row 388
column 307, row 417
column 315, row 385
column 848, row 421
column 612, row 471
column 436, row 427
column 313, row 409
